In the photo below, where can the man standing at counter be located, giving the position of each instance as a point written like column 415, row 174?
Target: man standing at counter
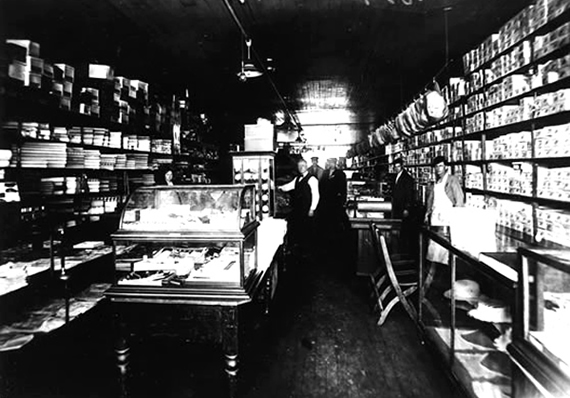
column 442, row 196
column 304, row 200
column 332, row 215
column 315, row 170
column 402, row 203
column 402, row 192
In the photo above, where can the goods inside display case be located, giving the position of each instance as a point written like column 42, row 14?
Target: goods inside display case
column 189, row 236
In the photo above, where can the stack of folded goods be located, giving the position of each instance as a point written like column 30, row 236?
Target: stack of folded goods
column 148, row 179
column 88, row 136
column 121, row 162
column 93, row 184
column 9, row 192
column 108, row 161
column 100, row 137
column 75, row 158
column 43, row 154
column 92, row 159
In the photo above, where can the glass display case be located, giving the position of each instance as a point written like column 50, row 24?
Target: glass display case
column 540, row 348
column 257, row 168
column 189, row 237
column 465, row 312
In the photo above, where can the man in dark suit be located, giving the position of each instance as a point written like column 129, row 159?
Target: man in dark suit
column 402, row 191
column 402, row 206
column 332, row 215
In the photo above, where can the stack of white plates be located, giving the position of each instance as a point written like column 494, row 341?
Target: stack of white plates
column 92, row 159
column 108, row 161
column 44, row 154
column 60, row 134
column 75, row 158
column 75, row 135
column 5, row 156
column 115, row 139
column 94, row 185
column 121, row 162
column 71, row 185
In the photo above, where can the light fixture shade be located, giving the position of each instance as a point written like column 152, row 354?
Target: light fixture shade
column 250, row 70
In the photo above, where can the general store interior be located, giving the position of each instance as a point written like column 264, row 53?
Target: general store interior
column 178, row 85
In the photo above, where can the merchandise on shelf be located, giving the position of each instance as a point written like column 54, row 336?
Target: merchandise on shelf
column 473, row 177
column 553, row 183
column 552, row 141
column 473, row 150
column 553, row 225
column 476, row 201
column 515, row 179
column 514, row 215
column 510, row 146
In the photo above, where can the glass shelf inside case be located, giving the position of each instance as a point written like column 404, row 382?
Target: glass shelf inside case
column 546, row 284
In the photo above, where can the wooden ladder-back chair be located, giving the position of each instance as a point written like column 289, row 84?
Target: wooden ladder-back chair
column 394, row 280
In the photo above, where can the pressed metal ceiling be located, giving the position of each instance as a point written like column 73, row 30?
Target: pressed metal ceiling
column 369, row 56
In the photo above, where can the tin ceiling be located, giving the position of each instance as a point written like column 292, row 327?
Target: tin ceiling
column 366, row 56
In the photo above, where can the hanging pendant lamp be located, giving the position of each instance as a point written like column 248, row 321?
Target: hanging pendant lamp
column 248, row 68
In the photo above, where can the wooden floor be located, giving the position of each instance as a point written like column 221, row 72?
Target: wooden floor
column 320, row 340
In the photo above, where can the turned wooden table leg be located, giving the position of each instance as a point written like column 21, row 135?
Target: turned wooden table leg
column 122, row 353
column 230, row 346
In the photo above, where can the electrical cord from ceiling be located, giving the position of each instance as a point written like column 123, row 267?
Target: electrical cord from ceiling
column 260, row 62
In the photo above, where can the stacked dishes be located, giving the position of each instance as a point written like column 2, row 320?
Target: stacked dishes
column 44, row 154
column 92, row 159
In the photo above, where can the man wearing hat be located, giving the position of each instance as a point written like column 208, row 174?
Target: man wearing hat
column 315, row 170
column 332, row 216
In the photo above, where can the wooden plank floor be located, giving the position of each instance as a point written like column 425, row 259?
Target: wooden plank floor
column 320, row 340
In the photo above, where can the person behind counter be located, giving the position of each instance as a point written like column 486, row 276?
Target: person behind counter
column 331, row 213
column 315, row 170
column 442, row 196
column 402, row 192
column 164, row 175
column 304, row 200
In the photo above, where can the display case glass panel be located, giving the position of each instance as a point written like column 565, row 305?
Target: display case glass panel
column 546, row 284
column 188, row 236
column 189, row 208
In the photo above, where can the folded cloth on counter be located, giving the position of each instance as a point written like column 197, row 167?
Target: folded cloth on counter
column 13, row 340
